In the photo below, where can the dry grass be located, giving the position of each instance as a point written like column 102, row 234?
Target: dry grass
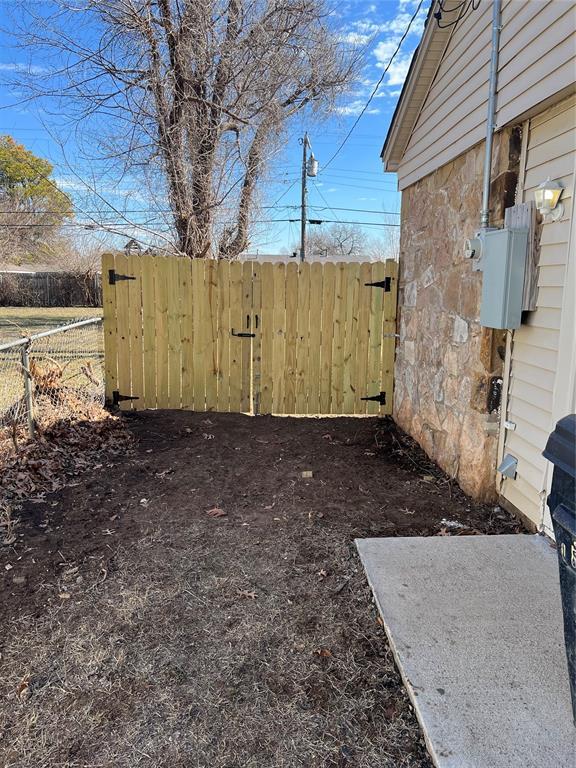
column 16, row 322
column 150, row 634
column 166, row 663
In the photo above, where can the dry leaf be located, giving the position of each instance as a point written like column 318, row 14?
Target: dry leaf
column 323, row 652
column 216, row 512
column 307, row 473
column 23, row 689
column 64, row 595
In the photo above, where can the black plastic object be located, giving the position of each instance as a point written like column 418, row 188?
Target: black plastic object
column 561, row 451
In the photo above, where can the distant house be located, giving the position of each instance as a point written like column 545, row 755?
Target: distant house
column 470, row 394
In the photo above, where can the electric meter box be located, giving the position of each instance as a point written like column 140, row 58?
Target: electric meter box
column 503, row 262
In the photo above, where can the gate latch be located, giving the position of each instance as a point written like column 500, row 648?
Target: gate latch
column 386, row 284
column 381, row 398
column 114, row 277
column 243, row 335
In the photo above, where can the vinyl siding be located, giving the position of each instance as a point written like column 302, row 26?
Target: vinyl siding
column 533, row 380
column 537, row 60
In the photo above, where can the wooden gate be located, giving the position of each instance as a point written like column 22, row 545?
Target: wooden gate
column 249, row 337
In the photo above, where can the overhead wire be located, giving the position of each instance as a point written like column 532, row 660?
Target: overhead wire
column 378, row 84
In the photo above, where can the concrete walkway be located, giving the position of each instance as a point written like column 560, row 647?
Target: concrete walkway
column 476, row 626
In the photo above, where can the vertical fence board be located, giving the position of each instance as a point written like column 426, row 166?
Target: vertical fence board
column 123, row 317
column 199, row 309
column 337, row 376
column 266, row 337
column 349, row 383
column 174, row 357
column 374, row 384
column 303, row 346
column 148, row 333
column 279, row 340
column 223, row 372
column 110, row 328
column 246, row 343
column 291, row 337
column 256, row 379
column 134, row 269
column 363, row 336
column 161, row 311
column 235, row 342
column 186, row 332
column 389, row 340
column 211, row 357
column 327, row 335
column 314, row 339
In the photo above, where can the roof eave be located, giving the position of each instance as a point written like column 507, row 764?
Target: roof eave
column 396, row 138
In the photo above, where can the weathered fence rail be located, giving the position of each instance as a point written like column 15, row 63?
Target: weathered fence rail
column 249, row 337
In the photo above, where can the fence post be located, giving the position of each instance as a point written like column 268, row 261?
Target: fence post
column 28, row 389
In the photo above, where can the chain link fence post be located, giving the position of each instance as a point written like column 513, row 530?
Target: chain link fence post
column 28, row 388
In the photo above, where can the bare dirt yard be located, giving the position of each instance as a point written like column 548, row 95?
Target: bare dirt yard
column 195, row 600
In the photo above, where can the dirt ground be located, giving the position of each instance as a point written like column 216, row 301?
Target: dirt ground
column 197, row 601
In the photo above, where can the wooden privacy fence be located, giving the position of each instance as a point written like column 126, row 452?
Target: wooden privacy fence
column 249, row 337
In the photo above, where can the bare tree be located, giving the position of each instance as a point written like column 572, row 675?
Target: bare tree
column 338, row 241
column 198, row 93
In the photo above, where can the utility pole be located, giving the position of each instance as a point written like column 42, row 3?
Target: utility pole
column 303, row 200
column 309, row 168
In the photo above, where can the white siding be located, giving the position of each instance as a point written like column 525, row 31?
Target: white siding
column 537, row 60
column 534, row 383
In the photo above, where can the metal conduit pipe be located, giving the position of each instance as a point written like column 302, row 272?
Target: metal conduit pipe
column 491, row 118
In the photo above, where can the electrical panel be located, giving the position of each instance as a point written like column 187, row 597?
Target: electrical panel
column 502, row 260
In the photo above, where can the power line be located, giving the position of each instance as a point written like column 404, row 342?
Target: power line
column 168, row 210
column 378, row 84
column 105, row 224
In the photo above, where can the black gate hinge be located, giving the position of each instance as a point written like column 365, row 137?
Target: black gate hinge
column 386, row 284
column 118, row 398
column 114, row 277
column 381, row 398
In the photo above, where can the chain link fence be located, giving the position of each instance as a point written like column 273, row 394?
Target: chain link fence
column 50, row 376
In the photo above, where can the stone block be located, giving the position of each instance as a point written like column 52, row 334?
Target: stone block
column 460, row 330
column 451, row 361
column 479, row 392
column 410, row 294
column 451, row 295
column 409, row 348
column 451, row 390
column 470, row 296
column 476, row 474
column 428, row 276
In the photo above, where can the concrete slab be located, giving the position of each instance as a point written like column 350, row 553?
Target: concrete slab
column 476, row 626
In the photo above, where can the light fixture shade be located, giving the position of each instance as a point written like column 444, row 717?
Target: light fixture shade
column 547, row 195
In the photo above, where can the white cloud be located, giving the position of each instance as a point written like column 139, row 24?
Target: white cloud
column 32, row 69
column 398, row 69
column 355, row 107
column 355, row 38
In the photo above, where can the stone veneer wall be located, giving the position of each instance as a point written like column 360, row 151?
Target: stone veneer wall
column 445, row 360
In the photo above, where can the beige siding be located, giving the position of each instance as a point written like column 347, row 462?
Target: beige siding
column 537, row 60
column 533, row 381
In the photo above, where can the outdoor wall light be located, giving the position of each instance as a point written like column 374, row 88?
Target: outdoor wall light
column 547, row 197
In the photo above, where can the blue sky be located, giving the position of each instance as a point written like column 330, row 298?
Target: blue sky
column 354, row 180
